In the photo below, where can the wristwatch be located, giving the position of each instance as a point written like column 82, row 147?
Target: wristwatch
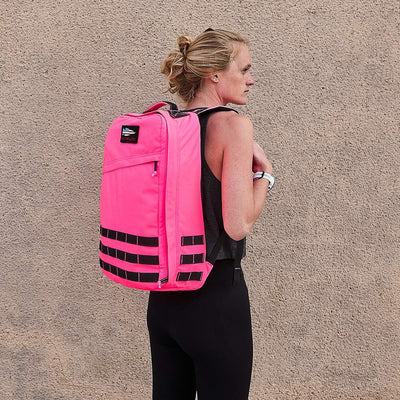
column 265, row 175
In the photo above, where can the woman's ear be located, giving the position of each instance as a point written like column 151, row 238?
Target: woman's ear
column 214, row 78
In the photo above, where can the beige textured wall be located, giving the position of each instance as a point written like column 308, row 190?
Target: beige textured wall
column 323, row 260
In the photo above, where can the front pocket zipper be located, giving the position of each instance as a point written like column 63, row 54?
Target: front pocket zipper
column 155, row 168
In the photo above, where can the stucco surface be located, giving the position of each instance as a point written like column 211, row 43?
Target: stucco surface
column 323, row 259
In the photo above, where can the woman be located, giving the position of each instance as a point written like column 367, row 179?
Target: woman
column 202, row 340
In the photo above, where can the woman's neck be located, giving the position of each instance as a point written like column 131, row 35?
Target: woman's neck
column 202, row 100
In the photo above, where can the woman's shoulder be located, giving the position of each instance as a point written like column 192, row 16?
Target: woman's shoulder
column 230, row 123
column 229, row 117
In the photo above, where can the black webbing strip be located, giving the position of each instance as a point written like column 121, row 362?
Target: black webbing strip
column 237, row 273
column 128, row 238
column 189, row 276
column 192, row 240
column 192, row 258
column 147, row 241
column 204, row 115
column 129, row 275
column 129, row 257
column 214, row 252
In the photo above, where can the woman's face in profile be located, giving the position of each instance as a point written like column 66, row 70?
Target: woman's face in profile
column 234, row 82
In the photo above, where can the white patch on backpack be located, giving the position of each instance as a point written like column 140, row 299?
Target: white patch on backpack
column 129, row 134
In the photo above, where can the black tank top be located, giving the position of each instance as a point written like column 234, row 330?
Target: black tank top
column 212, row 205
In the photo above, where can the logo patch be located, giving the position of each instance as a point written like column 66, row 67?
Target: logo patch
column 129, row 133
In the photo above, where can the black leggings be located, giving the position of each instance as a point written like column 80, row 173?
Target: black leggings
column 202, row 340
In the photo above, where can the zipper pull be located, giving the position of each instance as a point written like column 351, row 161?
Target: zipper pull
column 155, row 169
column 161, row 281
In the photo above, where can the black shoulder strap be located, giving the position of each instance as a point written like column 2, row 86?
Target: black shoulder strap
column 205, row 110
column 204, row 114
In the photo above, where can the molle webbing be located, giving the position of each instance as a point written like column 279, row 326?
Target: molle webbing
column 129, row 257
column 147, row 276
column 192, row 258
column 149, row 242
column 189, row 276
column 192, row 240
column 128, row 238
column 129, row 275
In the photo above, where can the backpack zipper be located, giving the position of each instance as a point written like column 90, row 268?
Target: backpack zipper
column 155, row 169
column 160, row 282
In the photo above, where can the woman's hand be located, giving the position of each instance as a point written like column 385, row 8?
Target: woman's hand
column 260, row 160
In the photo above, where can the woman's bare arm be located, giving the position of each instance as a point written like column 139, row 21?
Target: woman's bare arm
column 242, row 199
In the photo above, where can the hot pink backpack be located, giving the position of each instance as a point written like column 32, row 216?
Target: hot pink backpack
column 152, row 229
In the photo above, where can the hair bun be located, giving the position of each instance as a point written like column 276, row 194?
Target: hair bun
column 184, row 42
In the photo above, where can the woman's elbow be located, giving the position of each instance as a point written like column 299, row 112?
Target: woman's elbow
column 237, row 231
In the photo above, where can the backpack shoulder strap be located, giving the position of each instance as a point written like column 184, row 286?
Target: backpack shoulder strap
column 205, row 113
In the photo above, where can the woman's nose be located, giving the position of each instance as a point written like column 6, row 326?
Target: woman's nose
column 250, row 81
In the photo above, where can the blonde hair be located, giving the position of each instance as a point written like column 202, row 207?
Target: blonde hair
column 196, row 59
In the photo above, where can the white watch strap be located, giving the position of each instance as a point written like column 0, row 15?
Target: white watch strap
column 265, row 175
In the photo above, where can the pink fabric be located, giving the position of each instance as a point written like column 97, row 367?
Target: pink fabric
column 165, row 204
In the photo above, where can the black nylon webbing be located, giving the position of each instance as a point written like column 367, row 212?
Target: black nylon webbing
column 129, row 275
column 189, row 276
column 192, row 258
column 129, row 257
column 128, row 238
column 192, row 240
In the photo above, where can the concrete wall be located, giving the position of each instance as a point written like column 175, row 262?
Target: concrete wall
column 323, row 259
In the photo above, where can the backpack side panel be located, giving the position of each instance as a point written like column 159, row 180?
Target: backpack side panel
column 188, row 269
